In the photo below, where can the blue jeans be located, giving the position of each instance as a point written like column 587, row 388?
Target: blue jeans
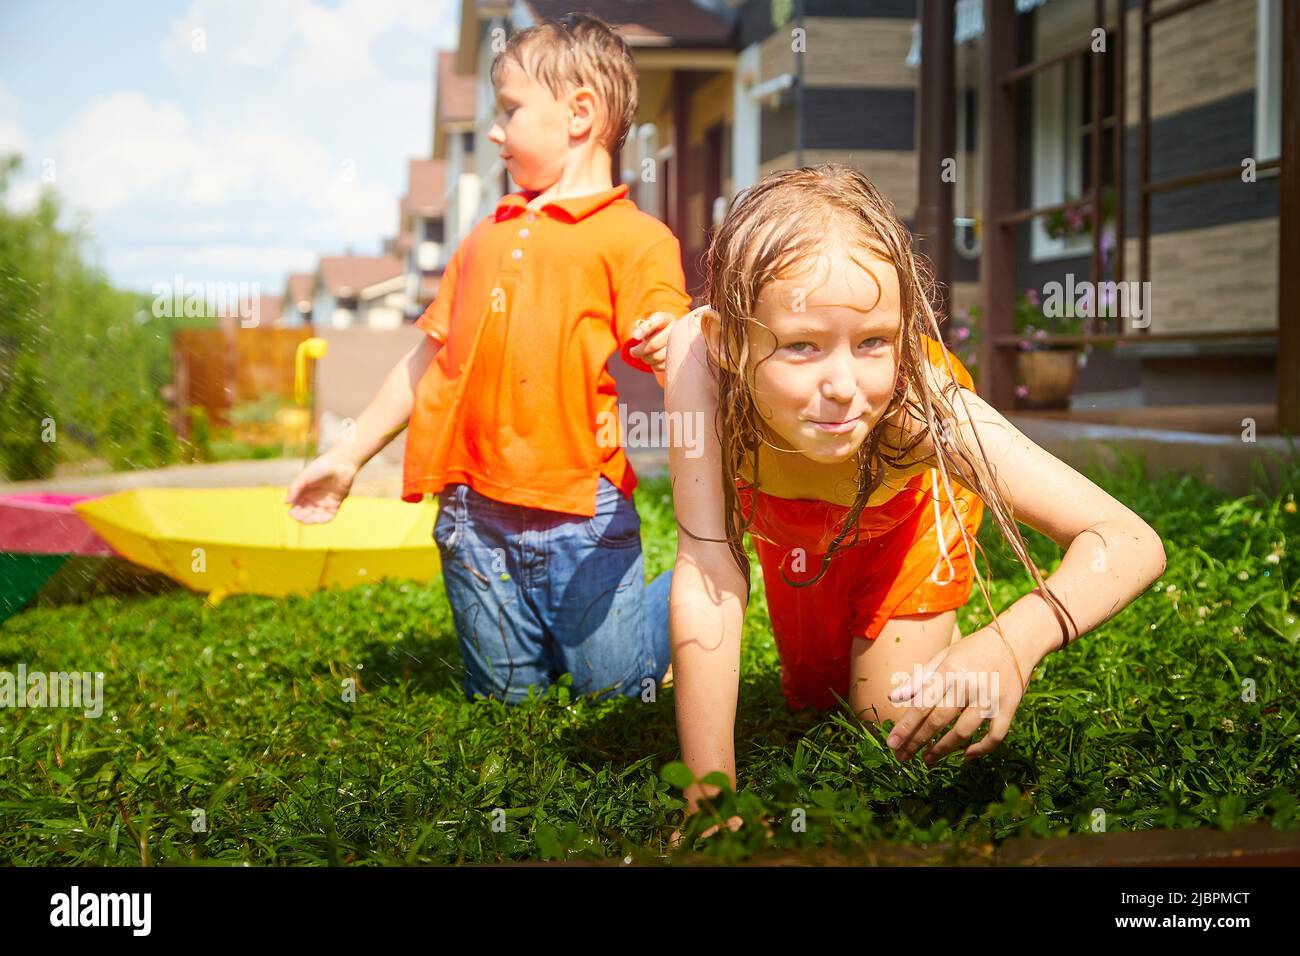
column 535, row 594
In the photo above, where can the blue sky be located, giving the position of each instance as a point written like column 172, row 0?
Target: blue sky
column 222, row 140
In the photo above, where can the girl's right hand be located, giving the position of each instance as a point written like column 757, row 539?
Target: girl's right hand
column 319, row 490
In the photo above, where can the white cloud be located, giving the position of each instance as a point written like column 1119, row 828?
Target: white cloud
column 282, row 133
column 123, row 146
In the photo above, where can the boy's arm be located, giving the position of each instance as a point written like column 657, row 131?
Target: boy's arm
column 707, row 603
column 652, row 289
column 390, row 409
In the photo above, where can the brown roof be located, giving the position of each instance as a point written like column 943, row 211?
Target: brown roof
column 348, row 275
column 455, row 90
column 232, row 314
column 426, row 187
column 678, row 23
column 299, row 287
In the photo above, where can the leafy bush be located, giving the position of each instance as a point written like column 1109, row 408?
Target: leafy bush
column 28, row 431
column 103, row 353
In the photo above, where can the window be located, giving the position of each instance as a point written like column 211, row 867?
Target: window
column 433, row 230
column 1062, row 111
column 467, row 142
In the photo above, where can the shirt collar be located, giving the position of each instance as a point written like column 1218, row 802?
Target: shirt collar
column 572, row 208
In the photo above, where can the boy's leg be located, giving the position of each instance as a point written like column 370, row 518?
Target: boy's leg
column 502, row 639
column 657, row 593
column 606, row 630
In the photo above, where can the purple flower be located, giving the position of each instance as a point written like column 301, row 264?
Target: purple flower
column 1034, row 299
column 1107, row 247
column 962, row 333
column 1022, row 391
column 1040, row 333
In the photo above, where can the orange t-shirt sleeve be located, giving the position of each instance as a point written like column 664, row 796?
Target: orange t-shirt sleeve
column 653, row 283
column 436, row 319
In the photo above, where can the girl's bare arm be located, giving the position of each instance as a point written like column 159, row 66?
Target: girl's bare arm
column 1111, row 554
column 707, row 605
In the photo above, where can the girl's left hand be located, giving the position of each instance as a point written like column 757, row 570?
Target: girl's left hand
column 972, row 681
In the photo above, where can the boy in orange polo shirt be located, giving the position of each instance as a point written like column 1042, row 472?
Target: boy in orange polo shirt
column 509, row 398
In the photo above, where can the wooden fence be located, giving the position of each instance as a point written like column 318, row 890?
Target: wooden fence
column 218, row 368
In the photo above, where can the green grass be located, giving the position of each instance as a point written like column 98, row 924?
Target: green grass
column 237, row 711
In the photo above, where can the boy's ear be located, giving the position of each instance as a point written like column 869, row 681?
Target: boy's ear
column 582, row 103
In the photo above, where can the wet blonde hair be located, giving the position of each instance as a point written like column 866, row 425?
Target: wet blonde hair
column 579, row 50
column 778, row 229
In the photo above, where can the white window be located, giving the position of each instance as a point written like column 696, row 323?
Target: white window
column 1058, row 123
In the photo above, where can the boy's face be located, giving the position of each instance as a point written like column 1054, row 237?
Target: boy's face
column 831, row 372
column 532, row 129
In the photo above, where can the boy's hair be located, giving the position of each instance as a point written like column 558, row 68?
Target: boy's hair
column 579, row 50
column 778, row 229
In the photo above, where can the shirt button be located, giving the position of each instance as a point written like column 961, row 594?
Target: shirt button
column 523, row 233
column 516, row 253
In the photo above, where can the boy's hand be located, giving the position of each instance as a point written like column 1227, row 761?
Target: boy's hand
column 319, row 490
column 651, row 336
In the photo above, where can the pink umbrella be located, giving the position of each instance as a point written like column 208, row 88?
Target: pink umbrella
column 42, row 523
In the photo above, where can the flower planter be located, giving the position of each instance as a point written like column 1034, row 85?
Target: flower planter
column 1049, row 375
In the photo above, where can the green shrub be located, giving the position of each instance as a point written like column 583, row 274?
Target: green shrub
column 200, row 434
column 28, row 428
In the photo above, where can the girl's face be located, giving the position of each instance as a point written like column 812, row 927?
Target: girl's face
column 532, row 129
column 833, row 341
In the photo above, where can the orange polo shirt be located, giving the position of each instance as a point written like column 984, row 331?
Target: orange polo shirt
column 530, row 308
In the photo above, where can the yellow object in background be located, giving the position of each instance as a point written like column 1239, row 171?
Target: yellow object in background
column 314, row 349
column 243, row 540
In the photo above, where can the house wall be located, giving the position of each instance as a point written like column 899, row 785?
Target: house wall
column 1213, row 247
column 859, row 99
column 385, row 312
column 327, row 314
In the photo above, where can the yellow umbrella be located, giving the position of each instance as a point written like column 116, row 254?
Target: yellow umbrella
column 243, row 540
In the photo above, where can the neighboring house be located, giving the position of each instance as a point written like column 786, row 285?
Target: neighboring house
column 298, row 294
column 421, row 233
column 460, row 143
column 364, row 291
column 262, row 313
